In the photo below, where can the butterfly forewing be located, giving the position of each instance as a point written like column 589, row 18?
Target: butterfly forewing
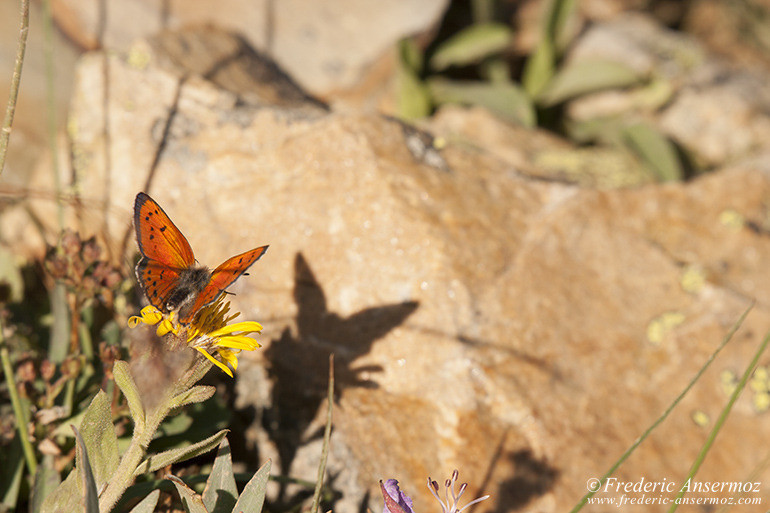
column 158, row 238
column 222, row 277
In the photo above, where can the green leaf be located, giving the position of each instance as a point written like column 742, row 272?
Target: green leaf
column 11, row 471
column 87, row 481
column 99, row 436
column 410, row 56
column 46, row 480
column 191, row 501
column 471, row 45
column 413, row 99
column 539, row 68
column 221, row 493
column 555, row 22
column 253, row 497
column 66, row 497
column 153, row 463
column 587, row 76
column 656, row 150
column 504, row 99
column 148, row 503
column 196, row 394
column 126, row 383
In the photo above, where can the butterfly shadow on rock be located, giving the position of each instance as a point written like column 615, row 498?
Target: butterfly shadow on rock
column 299, row 365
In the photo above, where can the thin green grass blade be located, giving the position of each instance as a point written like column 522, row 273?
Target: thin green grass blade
column 721, row 420
column 327, row 435
column 19, row 409
column 663, row 417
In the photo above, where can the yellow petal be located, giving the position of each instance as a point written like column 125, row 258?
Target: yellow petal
column 238, row 342
column 245, row 326
column 216, row 362
column 230, row 356
column 151, row 315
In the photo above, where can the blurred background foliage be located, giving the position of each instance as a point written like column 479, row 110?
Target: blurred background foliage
column 473, row 61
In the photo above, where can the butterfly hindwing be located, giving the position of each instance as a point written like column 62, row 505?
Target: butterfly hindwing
column 222, row 277
column 158, row 281
column 159, row 239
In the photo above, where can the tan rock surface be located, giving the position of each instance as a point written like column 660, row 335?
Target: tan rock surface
column 481, row 319
column 322, row 45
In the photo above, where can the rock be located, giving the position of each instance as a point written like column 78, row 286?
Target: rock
column 323, row 45
column 522, row 330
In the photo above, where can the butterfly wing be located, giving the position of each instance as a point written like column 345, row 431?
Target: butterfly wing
column 157, row 280
column 159, row 239
column 165, row 251
column 222, row 277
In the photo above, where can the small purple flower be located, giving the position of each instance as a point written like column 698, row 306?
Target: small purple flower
column 396, row 501
column 452, row 496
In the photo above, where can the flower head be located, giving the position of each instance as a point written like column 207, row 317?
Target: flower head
column 209, row 332
column 396, row 501
column 452, row 495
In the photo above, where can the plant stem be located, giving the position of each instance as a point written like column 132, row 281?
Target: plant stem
column 143, row 435
column 18, row 410
column 5, row 132
column 137, row 449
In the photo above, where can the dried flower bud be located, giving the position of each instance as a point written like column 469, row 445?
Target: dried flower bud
column 91, row 251
column 47, row 370
column 70, row 242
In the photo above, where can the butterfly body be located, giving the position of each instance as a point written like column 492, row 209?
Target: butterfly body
column 167, row 271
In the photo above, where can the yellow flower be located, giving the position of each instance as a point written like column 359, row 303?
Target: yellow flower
column 208, row 333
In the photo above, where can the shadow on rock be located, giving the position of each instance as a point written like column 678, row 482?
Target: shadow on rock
column 299, row 365
column 532, row 478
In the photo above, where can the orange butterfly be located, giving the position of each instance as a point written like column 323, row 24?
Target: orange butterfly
column 167, row 271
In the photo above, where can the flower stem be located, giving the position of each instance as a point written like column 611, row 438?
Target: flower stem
column 132, row 458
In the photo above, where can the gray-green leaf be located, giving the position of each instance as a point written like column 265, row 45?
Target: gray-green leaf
column 196, row 394
column 221, row 493
column 46, row 480
column 587, row 76
column 126, row 383
column 191, row 501
column 157, row 461
column 471, row 45
column 413, row 99
column 656, row 150
column 148, row 503
column 253, row 497
column 507, row 100
column 100, row 439
column 88, row 483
